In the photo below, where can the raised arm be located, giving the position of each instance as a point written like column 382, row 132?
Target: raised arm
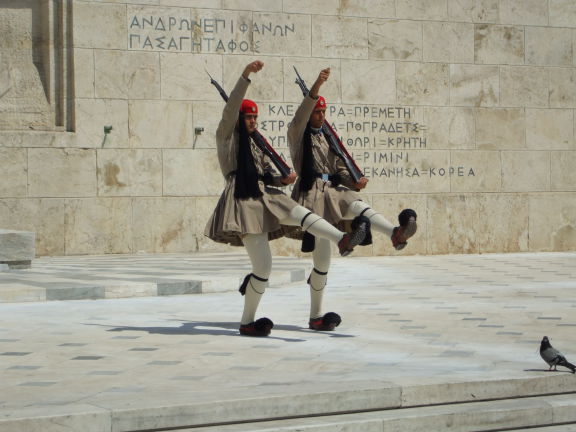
column 232, row 107
column 300, row 120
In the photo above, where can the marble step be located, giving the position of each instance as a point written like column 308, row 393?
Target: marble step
column 473, row 405
column 509, row 414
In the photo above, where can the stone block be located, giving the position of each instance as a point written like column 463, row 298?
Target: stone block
column 265, row 84
column 99, row 225
column 84, row 73
column 564, row 412
column 495, row 44
column 45, row 216
column 130, row 289
column 426, row 171
column 431, row 87
column 363, row 91
column 446, row 214
column 552, row 222
column 34, row 139
column 61, row 172
column 525, row 171
column 339, row 37
column 503, row 224
column 474, row 85
column 255, row 5
column 562, row 13
column 395, row 40
column 549, row 129
column 291, row 34
column 206, row 115
column 436, row 10
column 17, row 248
column 476, row 171
column 165, row 225
column 313, row 7
column 76, row 293
column 524, row 12
column 24, row 103
column 57, row 418
column 448, row 42
column 182, row 75
column 191, row 173
column 179, row 287
column 171, row 126
column 13, row 166
column 562, row 87
column 476, row 11
column 451, row 128
column 129, row 172
column 100, row 25
column 19, row 293
column 523, row 86
column 562, row 172
column 358, row 8
column 366, row 8
column 93, row 115
column 126, row 74
column 500, row 129
column 215, row 4
column 547, row 46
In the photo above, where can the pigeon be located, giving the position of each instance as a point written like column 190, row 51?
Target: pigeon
column 553, row 357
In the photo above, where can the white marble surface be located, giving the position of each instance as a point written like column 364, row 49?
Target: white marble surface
column 416, row 330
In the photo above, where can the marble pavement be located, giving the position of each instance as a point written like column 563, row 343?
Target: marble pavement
column 417, row 330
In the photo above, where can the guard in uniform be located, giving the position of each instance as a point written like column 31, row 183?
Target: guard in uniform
column 250, row 211
column 326, row 187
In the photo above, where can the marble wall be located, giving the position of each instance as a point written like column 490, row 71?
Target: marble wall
column 461, row 109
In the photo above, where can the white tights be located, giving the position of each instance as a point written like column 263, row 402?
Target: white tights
column 377, row 221
column 261, row 258
column 322, row 254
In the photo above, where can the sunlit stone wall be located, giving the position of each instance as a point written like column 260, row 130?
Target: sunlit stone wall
column 461, row 109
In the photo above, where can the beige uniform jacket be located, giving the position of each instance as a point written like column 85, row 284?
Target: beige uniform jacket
column 233, row 218
column 323, row 199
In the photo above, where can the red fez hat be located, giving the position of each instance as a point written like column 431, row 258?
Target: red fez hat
column 249, row 107
column 320, row 103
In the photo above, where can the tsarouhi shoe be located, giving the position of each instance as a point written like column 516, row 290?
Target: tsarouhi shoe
column 328, row 322
column 347, row 244
column 401, row 234
column 260, row 327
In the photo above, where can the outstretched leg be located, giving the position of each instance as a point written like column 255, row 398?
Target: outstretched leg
column 255, row 284
column 399, row 235
column 322, row 229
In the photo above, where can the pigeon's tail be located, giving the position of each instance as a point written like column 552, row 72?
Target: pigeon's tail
column 567, row 364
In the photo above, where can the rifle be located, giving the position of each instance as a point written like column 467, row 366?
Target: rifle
column 260, row 141
column 333, row 140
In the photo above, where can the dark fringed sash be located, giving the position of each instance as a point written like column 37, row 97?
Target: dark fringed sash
column 246, row 174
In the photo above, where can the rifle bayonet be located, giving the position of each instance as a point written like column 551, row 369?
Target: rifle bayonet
column 218, row 87
column 301, row 82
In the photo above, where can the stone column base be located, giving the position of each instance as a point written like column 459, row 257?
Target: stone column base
column 17, row 248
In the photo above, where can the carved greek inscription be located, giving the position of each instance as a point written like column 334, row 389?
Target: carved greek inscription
column 179, row 33
column 380, row 139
